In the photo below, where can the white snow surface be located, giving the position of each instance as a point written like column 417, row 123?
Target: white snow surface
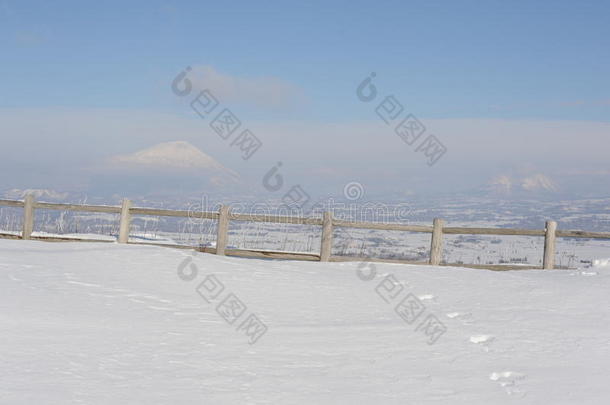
column 601, row 263
column 100, row 323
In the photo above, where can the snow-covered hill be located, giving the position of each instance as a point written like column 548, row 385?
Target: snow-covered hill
column 103, row 323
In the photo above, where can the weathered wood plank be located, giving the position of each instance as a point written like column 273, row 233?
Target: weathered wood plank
column 337, row 258
column 28, row 217
column 125, row 222
column 495, row 267
column 11, row 203
column 77, row 207
column 272, row 254
column 68, row 239
column 436, row 243
column 548, row 261
column 382, row 226
column 326, row 244
column 279, row 219
column 9, row 236
column 269, row 254
column 222, row 234
column 170, row 245
column 492, row 231
column 173, row 213
column 582, row 234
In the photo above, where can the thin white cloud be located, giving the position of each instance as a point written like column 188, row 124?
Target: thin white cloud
column 29, row 38
column 258, row 91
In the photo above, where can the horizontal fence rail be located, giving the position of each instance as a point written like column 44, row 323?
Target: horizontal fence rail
column 277, row 219
column 492, row 231
column 583, row 234
column 173, row 213
column 11, row 203
column 76, row 207
column 382, row 226
column 223, row 217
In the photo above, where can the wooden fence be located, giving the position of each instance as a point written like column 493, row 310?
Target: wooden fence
column 327, row 222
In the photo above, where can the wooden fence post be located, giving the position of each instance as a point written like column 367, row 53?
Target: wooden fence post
column 549, row 245
column 28, row 217
column 327, row 237
column 125, row 223
column 436, row 245
column 223, row 230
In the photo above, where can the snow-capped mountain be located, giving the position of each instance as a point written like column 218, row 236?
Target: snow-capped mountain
column 179, row 155
column 167, row 163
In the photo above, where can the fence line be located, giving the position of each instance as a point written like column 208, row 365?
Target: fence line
column 327, row 222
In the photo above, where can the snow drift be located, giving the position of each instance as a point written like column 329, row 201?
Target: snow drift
column 106, row 323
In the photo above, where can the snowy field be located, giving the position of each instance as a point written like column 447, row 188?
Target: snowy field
column 101, row 323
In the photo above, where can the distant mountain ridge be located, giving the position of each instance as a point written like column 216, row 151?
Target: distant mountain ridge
column 17, row 193
column 533, row 184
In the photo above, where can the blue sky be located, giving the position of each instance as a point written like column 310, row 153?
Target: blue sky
column 543, row 61
column 546, row 60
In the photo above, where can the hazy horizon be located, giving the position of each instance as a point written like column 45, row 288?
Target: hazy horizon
column 515, row 112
